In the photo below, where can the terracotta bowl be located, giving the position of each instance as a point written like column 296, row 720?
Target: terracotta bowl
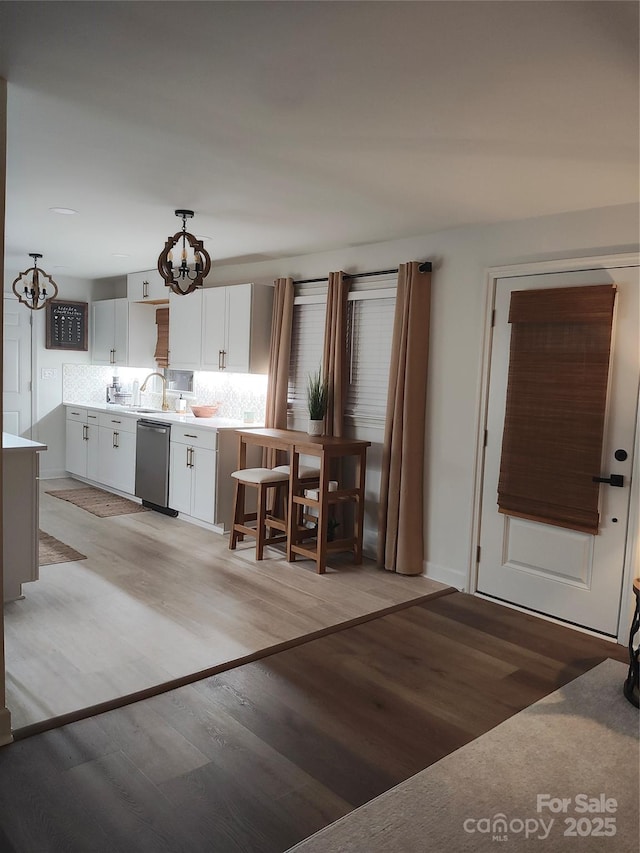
column 204, row 411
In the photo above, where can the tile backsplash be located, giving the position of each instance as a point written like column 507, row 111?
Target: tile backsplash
column 237, row 393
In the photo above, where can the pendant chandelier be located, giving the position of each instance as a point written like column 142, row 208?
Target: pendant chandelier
column 34, row 294
column 195, row 263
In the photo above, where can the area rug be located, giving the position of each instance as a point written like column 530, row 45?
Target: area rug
column 562, row 774
column 96, row 501
column 52, row 550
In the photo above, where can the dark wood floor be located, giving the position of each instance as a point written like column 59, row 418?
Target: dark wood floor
column 262, row 756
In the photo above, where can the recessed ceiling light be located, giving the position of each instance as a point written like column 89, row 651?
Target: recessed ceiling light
column 119, row 255
column 65, row 211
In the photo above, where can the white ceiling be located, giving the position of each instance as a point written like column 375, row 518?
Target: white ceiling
column 293, row 127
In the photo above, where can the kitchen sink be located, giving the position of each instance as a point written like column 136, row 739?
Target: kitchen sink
column 143, row 411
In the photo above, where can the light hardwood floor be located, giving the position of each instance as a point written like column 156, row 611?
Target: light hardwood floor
column 158, row 599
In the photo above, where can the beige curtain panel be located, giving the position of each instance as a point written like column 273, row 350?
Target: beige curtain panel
column 279, row 353
column 401, row 521
column 555, row 408
column 334, row 359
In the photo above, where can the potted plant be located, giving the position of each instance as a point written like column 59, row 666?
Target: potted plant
column 317, row 401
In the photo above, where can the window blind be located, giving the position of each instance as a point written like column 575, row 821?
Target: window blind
column 307, row 338
column 161, row 353
column 555, row 406
column 370, row 328
column 369, row 352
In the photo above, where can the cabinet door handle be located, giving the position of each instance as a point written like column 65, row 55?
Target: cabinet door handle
column 85, row 432
column 189, row 457
column 113, row 421
column 116, row 437
column 219, row 359
column 112, row 356
column 224, row 359
column 145, row 289
column 188, row 435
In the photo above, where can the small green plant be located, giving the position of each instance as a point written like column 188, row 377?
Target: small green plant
column 317, row 396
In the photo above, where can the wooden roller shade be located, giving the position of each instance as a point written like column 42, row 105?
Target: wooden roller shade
column 161, row 354
column 555, row 408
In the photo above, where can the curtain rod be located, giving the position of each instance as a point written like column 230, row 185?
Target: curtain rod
column 424, row 267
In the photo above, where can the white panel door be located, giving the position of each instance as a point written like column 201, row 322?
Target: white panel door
column 103, row 331
column 185, row 331
column 16, row 397
column 120, row 331
column 214, row 326
column 93, row 446
column 564, row 573
column 238, row 346
column 203, row 484
column 180, row 477
column 76, row 448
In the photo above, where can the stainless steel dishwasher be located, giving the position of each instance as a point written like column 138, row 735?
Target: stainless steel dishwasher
column 152, row 465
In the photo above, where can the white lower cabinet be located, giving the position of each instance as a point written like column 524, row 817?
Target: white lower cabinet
column 101, row 447
column 20, row 512
column 193, row 462
column 117, row 452
column 82, row 443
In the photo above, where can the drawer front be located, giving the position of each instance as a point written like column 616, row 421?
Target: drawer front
column 205, row 438
column 76, row 414
column 118, row 421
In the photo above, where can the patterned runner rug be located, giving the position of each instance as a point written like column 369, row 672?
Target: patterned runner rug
column 52, row 550
column 100, row 503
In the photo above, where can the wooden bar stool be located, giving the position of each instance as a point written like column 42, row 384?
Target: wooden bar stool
column 309, row 478
column 263, row 480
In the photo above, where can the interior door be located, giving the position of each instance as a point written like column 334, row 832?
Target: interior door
column 568, row 574
column 16, row 397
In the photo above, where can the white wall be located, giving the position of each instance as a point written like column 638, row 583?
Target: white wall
column 460, row 258
column 49, row 417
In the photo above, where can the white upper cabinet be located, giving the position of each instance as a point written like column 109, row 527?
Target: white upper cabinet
column 214, row 327
column 185, row 331
column 123, row 333
column 221, row 328
column 146, row 286
column 110, row 331
column 236, row 328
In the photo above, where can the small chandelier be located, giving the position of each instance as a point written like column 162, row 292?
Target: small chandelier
column 194, row 264
column 34, row 295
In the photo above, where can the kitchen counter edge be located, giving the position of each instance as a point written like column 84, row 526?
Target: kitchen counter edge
column 167, row 417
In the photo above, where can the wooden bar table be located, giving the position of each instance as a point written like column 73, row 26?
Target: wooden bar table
column 326, row 448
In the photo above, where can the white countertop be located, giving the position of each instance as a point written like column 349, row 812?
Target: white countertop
column 16, row 442
column 171, row 417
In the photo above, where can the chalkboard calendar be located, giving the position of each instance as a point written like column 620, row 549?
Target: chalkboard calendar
column 67, row 325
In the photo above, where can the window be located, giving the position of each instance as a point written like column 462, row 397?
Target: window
column 371, row 310
column 307, row 340
column 370, row 330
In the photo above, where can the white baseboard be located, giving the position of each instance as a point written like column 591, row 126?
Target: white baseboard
column 53, row 474
column 444, row 574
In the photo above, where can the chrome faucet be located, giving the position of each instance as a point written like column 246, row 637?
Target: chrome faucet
column 165, row 405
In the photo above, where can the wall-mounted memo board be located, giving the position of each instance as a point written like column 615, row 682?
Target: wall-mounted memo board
column 67, row 325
